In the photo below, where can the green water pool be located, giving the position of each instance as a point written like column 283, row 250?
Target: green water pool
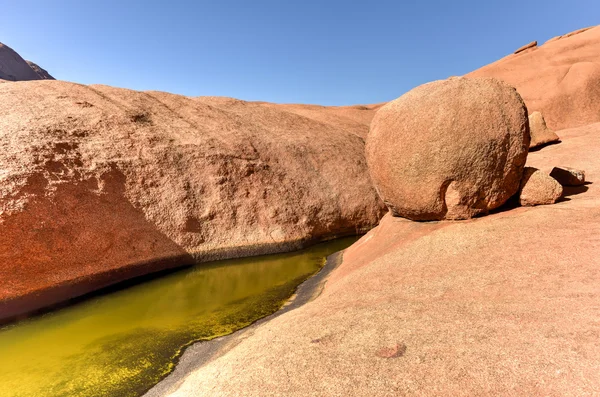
column 123, row 342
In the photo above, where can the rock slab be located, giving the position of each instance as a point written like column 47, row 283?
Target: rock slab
column 533, row 44
column 568, row 176
column 100, row 184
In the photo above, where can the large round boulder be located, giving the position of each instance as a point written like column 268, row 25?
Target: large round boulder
column 449, row 149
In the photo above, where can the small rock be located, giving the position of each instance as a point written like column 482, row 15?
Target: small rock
column 568, row 176
column 553, row 39
column 540, row 133
column 538, row 188
column 394, row 351
column 526, row 47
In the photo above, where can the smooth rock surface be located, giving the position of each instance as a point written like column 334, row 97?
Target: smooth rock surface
column 449, row 149
column 503, row 305
column 100, row 184
column 538, row 188
column 539, row 131
column 568, row 176
column 560, row 79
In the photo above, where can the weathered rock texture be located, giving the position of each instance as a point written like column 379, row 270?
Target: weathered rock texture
column 502, row 305
column 538, row 188
column 99, row 184
column 540, row 133
column 560, row 79
column 15, row 68
column 449, row 149
column 568, row 176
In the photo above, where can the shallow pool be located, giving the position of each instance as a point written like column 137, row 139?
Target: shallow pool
column 123, row 342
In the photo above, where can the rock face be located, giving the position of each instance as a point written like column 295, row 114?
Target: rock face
column 449, row 149
column 15, row 68
column 99, row 184
column 502, row 305
column 560, row 79
column 538, row 188
column 540, row 133
column 568, row 176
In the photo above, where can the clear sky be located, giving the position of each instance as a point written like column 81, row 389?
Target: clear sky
column 328, row 52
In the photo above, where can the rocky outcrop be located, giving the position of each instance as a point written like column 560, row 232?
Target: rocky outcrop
column 15, row 68
column 540, row 134
column 538, row 188
column 567, row 176
column 100, row 184
column 449, row 149
column 560, row 79
column 502, row 305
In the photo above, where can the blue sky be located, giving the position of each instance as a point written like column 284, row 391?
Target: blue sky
column 325, row 52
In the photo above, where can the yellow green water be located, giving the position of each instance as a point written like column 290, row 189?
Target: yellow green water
column 124, row 342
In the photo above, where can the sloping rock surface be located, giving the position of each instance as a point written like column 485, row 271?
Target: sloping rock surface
column 503, row 305
column 99, row 184
column 560, row 79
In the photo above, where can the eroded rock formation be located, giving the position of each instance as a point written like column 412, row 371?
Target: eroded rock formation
column 100, row 184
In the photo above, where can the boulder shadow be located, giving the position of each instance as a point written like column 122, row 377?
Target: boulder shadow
column 510, row 204
column 544, row 145
column 573, row 191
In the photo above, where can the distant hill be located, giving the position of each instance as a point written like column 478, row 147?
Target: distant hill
column 15, row 68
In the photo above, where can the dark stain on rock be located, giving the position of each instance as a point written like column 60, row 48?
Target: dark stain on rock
column 394, row 351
